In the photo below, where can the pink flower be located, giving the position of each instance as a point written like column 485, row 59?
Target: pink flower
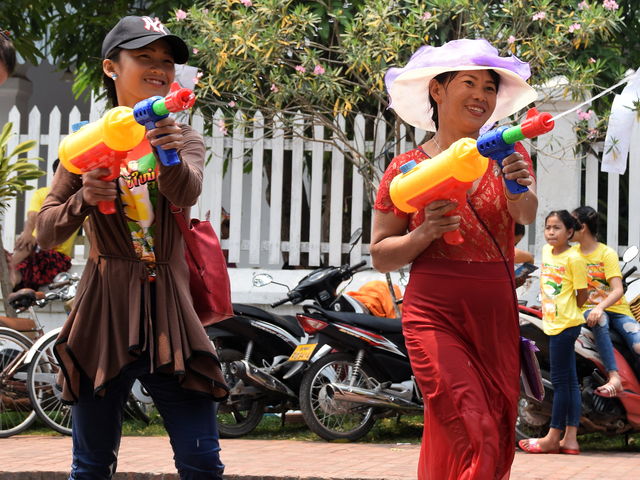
column 583, row 5
column 584, row 115
column 592, row 60
column 319, row 70
column 246, row 3
column 195, row 51
column 206, row 10
column 426, row 16
column 274, row 88
column 181, row 15
column 574, row 27
column 221, row 127
column 539, row 16
column 593, row 133
column 610, row 5
column 300, row 69
column 511, row 39
column 232, row 104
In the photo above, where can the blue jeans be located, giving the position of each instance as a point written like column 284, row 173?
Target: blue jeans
column 189, row 417
column 566, row 391
column 628, row 328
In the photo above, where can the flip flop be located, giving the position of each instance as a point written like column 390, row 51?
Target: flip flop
column 570, row 451
column 531, row 445
column 606, row 391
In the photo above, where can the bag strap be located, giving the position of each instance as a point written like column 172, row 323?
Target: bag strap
column 181, row 220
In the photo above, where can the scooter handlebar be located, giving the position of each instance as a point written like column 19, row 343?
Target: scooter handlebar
column 628, row 273
column 349, row 270
column 292, row 297
column 279, row 302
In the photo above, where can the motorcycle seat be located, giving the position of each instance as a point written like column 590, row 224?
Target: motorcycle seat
column 371, row 322
column 288, row 322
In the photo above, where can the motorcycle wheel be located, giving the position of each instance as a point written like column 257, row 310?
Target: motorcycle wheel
column 237, row 415
column 332, row 419
column 534, row 417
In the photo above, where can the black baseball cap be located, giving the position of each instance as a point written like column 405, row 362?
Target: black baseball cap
column 135, row 32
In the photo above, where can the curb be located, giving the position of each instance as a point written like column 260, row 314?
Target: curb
column 157, row 476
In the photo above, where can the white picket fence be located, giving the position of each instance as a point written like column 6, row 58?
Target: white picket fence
column 256, row 237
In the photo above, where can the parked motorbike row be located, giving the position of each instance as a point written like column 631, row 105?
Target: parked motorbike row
column 340, row 366
column 343, row 368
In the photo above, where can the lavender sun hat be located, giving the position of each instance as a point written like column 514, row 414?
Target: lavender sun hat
column 408, row 86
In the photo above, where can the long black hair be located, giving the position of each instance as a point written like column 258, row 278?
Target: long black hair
column 589, row 217
column 108, row 82
column 444, row 79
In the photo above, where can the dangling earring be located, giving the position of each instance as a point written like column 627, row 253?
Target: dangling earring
column 114, row 75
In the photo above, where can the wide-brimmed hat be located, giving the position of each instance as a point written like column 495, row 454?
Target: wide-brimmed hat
column 408, row 86
column 133, row 32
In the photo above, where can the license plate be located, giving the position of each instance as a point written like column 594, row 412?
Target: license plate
column 303, row 352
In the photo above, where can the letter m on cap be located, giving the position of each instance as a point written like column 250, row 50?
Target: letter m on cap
column 154, row 24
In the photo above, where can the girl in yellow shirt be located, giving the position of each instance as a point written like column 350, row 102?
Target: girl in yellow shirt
column 563, row 273
column 605, row 308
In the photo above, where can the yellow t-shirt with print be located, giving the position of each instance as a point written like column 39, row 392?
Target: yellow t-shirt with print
column 603, row 265
column 37, row 200
column 560, row 276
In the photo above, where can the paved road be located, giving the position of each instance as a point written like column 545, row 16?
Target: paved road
column 150, row 458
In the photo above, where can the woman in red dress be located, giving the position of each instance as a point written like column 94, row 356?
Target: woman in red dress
column 460, row 315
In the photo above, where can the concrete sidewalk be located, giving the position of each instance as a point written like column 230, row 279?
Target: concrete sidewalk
column 150, row 458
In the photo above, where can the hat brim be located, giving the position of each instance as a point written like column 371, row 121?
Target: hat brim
column 410, row 94
column 178, row 47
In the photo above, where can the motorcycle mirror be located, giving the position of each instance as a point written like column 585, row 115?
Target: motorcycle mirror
column 61, row 277
column 630, row 253
column 261, row 279
column 355, row 236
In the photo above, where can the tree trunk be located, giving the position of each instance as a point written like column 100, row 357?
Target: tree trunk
column 5, row 281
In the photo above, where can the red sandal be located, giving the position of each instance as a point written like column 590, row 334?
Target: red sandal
column 531, row 445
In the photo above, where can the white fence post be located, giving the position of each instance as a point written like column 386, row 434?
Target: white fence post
column 257, row 172
column 237, row 167
column 337, row 196
column 315, row 203
column 357, row 187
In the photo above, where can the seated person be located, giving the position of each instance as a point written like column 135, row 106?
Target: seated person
column 521, row 256
column 606, row 307
column 30, row 266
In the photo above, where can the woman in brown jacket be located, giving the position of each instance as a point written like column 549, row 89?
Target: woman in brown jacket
column 133, row 315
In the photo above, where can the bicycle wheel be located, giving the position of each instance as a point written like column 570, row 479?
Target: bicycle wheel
column 16, row 412
column 44, row 392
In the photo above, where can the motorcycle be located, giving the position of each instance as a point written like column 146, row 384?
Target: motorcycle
column 366, row 376
column 609, row 416
column 254, row 347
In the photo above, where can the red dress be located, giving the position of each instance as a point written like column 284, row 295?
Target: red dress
column 460, row 324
